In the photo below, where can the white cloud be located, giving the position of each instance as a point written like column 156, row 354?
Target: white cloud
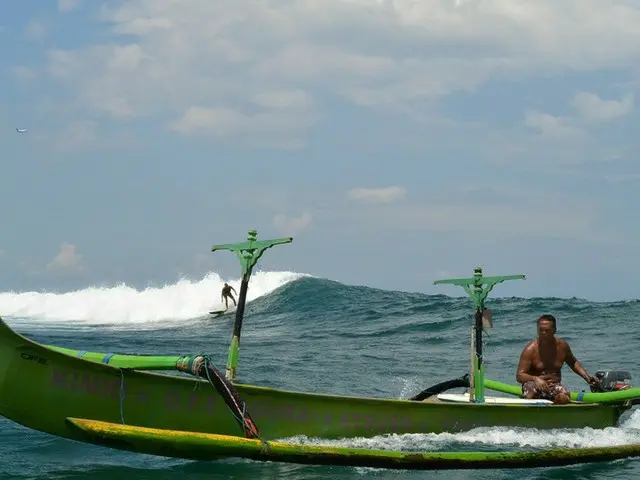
column 68, row 5
column 273, row 128
column 68, row 259
column 216, row 62
column 552, row 127
column 377, row 195
column 290, row 225
column 589, row 107
column 593, row 108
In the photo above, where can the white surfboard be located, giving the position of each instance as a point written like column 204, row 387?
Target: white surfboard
column 464, row 398
column 222, row 310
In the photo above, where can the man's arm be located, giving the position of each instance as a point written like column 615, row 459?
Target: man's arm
column 524, row 365
column 234, row 290
column 575, row 365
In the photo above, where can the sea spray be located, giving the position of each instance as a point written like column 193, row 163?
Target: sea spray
column 123, row 304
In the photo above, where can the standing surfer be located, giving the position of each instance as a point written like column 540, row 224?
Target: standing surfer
column 226, row 293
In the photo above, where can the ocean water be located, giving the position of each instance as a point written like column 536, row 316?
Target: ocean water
column 306, row 333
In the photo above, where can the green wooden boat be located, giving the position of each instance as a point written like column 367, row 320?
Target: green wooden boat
column 42, row 386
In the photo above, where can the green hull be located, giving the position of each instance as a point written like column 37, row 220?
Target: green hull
column 151, row 362
column 41, row 387
column 202, row 446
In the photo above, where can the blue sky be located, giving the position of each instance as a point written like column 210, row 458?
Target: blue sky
column 398, row 142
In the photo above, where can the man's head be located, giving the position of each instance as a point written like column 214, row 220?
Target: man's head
column 226, row 284
column 546, row 326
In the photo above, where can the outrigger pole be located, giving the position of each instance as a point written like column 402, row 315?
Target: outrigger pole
column 478, row 288
column 248, row 252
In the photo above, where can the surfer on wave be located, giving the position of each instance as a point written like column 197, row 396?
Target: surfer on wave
column 541, row 361
column 226, row 294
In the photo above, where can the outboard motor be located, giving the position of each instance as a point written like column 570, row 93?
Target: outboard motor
column 611, row 381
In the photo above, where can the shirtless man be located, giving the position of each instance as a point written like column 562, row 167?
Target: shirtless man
column 541, row 362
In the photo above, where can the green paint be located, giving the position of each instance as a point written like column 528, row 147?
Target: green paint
column 478, row 375
column 139, row 362
column 248, row 252
column 199, row 446
column 232, row 357
column 582, row 397
column 478, row 287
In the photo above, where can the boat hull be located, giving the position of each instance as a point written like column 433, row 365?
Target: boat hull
column 40, row 388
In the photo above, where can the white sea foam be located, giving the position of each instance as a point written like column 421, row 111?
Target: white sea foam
column 503, row 437
column 123, row 304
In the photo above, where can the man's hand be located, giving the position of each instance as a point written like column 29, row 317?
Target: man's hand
column 593, row 384
column 541, row 383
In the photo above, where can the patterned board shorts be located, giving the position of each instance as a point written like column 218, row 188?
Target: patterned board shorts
column 555, row 389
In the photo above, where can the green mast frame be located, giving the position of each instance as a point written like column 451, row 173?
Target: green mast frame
column 248, row 252
column 478, row 287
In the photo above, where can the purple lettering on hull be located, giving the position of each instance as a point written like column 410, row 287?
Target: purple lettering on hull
column 59, row 379
column 98, row 386
column 171, row 400
column 194, row 402
column 301, row 415
column 85, row 383
column 91, row 385
column 327, row 418
column 206, row 402
column 142, row 397
column 358, row 418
